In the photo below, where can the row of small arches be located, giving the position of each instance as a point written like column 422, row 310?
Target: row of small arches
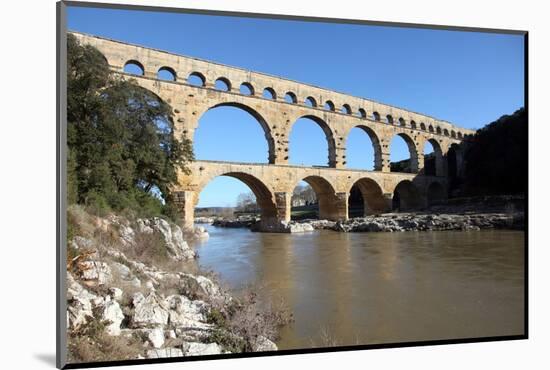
column 223, row 84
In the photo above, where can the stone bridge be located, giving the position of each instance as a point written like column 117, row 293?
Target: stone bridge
column 195, row 86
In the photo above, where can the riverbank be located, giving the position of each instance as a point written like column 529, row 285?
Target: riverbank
column 394, row 222
column 134, row 290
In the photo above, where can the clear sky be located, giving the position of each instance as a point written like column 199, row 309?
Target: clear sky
column 467, row 78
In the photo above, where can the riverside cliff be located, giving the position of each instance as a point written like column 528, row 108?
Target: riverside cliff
column 134, row 291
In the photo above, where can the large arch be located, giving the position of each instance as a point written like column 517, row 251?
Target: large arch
column 264, row 197
column 435, row 193
column 326, row 197
column 413, row 154
column 437, row 167
column 257, row 116
column 366, row 196
column 328, row 135
column 376, row 146
column 406, row 197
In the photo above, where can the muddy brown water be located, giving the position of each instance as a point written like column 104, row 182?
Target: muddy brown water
column 365, row 288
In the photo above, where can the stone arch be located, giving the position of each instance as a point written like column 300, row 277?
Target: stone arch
column 377, row 147
column 134, row 63
column 454, row 164
column 445, row 132
column 423, row 126
column 431, row 128
column 373, row 200
column 361, row 113
column 326, row 197
column 328, row 135
column 438, row 167
column 291, row 98
column 269, row 93
column 259, row 118
column 198, row 75
column 346, row 109
column 264, row 196
column 453, row 134
column 376, row 116
column 413, row 153
column 435, row 193
column 459, row 135
column 406, row 197
column 310, row 102
column 389, row 119
column 413, row 125
column 169, row 72
column 329, row 105
column 438, row 130
column 402, row 122
column 223, row 85
column 246, row 88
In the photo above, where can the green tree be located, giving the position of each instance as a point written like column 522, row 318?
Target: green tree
column 122, row 151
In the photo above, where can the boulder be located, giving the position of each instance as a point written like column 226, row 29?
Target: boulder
column 262, row 344
column 173, row 237
column 155, row 336
column 164, row 353
column 79, row 303
column 186, row 314
column 149, row 312
column 113, row 313
column 95, row 271
column 201, row 349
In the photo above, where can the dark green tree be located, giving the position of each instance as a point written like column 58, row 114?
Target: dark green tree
column 122, row 151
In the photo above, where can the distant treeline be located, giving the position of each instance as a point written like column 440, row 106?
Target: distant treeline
column 496, row 158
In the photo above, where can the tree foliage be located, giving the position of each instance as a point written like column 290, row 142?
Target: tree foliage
column 496, row 160
column 122, row 151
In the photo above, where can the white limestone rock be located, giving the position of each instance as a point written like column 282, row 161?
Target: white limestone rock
column 263, row 344
column 201, row 349
column 164, row 353
column 95, row 271
column 113, row 313
column 149, row 312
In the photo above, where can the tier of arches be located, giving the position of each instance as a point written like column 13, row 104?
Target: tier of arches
column 276, row 206
column 222, row 83
column 279, row 142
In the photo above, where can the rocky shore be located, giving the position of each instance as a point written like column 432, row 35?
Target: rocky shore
column 134, row 291
column 396, row 222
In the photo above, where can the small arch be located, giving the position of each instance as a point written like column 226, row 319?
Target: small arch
column 435, row 194
column 366, row 198
column 423, row 126
column 134, row 67
column 310, row 102
column 166, row 74
column 413, row 125
column 438, row 130
column 406, row 197
column 389, row 119
column 246, row 89
column 222, row 84
column 431, row 128
column 269, row 93
column 445, row 132
column 459, row 135
column 453, row 134
column 376, row 116
column 196, row 79
column 402, row 122
column 329, row 105
column 361, row 113
column 290, row 97
column 346, row 109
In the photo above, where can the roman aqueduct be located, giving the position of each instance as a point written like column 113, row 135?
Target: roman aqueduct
column 276, row 104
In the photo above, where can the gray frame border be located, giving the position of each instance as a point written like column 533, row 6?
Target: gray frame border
column 61, row 173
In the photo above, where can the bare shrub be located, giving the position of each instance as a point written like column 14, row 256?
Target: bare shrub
column 90, row 343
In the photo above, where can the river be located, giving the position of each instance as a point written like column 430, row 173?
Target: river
column 365, row 288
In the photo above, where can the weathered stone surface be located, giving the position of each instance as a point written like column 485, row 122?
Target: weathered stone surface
column 113, row 313
column 172, row 234
column 79, row 303
column 263, row 344
column 95, row 271
column 186, row 314
column 201, row 349
column 164, row 353
column 148, row 311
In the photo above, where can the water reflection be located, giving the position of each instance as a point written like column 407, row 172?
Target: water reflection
column 379, row 287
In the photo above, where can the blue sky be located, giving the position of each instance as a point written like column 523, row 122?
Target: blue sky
column 467, row 78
